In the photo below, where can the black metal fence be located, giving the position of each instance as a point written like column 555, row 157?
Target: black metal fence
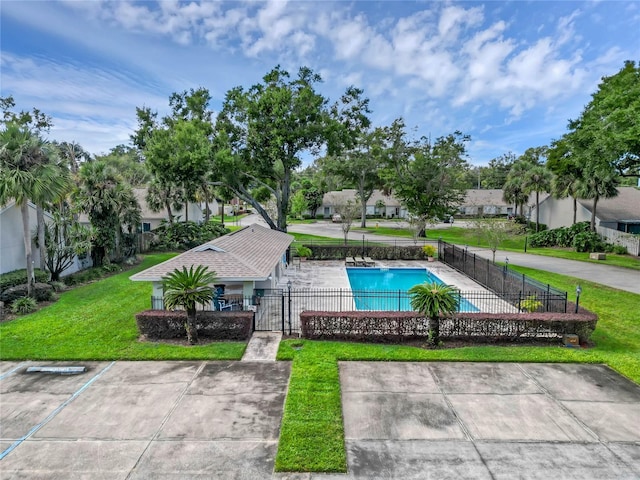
column 505, row 283
column 279, row 309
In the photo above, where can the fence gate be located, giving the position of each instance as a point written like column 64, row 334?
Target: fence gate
column 271, row 311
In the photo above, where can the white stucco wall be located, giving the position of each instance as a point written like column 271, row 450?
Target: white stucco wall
column 12, row 254
column 558, row 212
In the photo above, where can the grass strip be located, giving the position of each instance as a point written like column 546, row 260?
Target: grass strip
column 97, row 322
column 312, row 433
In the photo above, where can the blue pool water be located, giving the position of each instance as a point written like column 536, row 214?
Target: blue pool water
column 394, row 282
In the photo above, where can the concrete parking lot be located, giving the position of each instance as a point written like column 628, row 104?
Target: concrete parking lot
column 221, row 420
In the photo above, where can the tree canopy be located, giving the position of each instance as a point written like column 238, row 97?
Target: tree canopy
column 262, row 133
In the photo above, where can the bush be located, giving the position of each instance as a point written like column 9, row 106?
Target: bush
column 559, row 237
column 42, row 292
column 481, row 327
column 429, row 250
column 23, row 305
column 340, row 252
column 84, row 276
column 588, row 242
column 304, row 251
column 186, row 235
column 19, row 277
column 620, row 249
column 164, row 324
column 58, row 286
column 111, row 268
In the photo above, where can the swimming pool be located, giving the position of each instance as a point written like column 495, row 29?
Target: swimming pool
column 386, row 288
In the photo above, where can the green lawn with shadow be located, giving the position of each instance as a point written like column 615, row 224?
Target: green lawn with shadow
column 97, row 322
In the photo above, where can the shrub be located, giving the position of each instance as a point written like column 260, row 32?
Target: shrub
column 111, row 268
column 304, row 251
column 186, row 235
column 429, row 250
column 42, row 292
column 19, row 277
column 23, row 305
column 84, row 276
column 530, row 304
column 164, row 324
column 478, row 327
column 620, row 249
column 587, row 242
column 58, row 286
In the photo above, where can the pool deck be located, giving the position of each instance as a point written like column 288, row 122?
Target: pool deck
column 333, row 274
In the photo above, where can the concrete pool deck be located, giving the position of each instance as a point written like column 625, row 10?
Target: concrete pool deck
column 332, row 274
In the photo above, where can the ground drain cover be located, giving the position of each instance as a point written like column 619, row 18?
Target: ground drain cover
column 57, row 370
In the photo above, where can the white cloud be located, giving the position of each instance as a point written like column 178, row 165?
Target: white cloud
column 94, row 105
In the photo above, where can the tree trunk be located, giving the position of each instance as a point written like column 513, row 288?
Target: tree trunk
column 42, row 241
column 206, row 206
column 593, row 213
column 363, row 212
column 434, row 331
column 283, row 206
column 190, row 326
column 186, row 210
column 575, row 210
column 24, row 209
column 537, row 211
column 167, row 205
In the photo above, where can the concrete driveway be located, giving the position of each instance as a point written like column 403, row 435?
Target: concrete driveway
column 221, row 420
column 489, row 421
column 139, row 420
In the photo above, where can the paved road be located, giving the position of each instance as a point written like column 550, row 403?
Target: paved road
column 615, row 277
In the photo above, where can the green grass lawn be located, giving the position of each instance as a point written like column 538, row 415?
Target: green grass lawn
column 97, row 322
column 312, row 434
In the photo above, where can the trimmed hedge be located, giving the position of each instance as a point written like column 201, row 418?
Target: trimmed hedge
column 340, row 252
column 165, row 324
column 396, row 327
column 19, row 277
column 42, row 292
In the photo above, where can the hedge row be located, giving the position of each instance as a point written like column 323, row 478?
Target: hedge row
column 164, row 324
column 42, row 292
column 340, row 252
column 396, row 327
column 19, row 277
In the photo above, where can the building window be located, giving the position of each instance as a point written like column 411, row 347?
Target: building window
column 146, row 227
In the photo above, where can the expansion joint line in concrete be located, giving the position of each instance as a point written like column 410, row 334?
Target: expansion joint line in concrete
column 166, row 417
column 461, row 424
column 570, row 413
column 13, row 370
column 77, row 393
column 547, row 393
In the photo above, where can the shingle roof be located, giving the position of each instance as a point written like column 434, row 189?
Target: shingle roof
column 624, row 207
column 340, row 196
column 492, row 197
column 247, row 254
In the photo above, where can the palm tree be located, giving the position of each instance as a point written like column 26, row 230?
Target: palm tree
column 599, row 181
column 109, row 201
column 513, row 192
column 567, row 185
column 25, row 175
column 434, row 300
column 186, row 288
column 537, row 179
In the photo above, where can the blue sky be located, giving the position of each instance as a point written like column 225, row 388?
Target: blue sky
column 509, row 74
